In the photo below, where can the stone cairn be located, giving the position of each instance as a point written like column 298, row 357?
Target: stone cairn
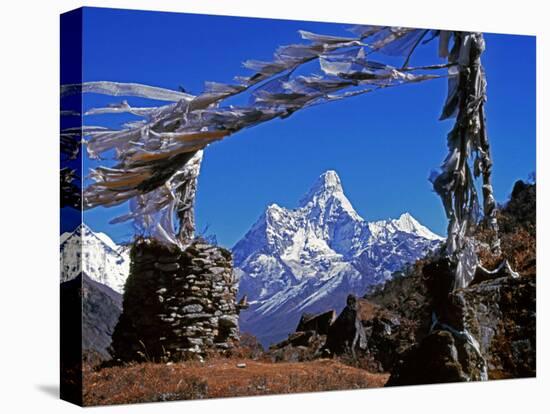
column 177, row 304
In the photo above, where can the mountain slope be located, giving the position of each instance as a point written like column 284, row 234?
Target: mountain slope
column 96, row 255
column 310, row 258
column 92, row 308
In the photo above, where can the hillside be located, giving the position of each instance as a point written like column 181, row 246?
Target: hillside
column 220, row 378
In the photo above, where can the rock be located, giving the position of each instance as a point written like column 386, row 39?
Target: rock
column 299, row 346
column 167, row 267
column 241, row 365
column 228, row 321
column 434, row 360
column 242, row 304
column 319, row 323
column 200, row 263
column 301, row 338
column 169, row 259
column 222, row 345
column 295, row 339
column 343, row 331
column 291, row 354
column 144, row 258
column 249, row 347
column 501, row 315
column 195, row 341
column 387, row 336
column 194, row 317
column 195, row 308
column 439, row 277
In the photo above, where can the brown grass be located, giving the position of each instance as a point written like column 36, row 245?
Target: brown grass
column 518, row 247
column 150, row 382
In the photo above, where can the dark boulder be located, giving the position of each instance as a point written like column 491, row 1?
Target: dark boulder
column 290, row 354
column 434, row 360
column 323, row 335
column 319, row 323
column 488, row 332
column 298, row 347
column 521, row 209
column 387, row 337
column 347, row 330
column 439, row 277
column 501, row 315
column 301, row 338
column 295, row 339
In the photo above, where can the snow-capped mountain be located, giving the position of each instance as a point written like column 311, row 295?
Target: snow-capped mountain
column 95, row 255
column 310, row 258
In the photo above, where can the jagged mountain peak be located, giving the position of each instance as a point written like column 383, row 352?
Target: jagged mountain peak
column 327, row 185
column 274, row 211
column 304, row 259
column 327, row 196
column 409, row 224
column 84, row 231
column 406, row 223
column 329, row 182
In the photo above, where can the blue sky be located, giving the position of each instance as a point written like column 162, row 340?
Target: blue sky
column 383, row 145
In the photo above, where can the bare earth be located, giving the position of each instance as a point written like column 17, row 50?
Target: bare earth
column 220, row 378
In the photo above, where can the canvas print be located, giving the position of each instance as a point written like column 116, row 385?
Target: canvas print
column 258, row 206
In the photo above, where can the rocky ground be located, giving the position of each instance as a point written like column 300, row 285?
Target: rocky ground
column 218, row 378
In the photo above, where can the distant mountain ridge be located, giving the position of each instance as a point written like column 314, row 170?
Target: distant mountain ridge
column 96, row 255
column 94, row 270
column 92, row 308
column 310, row 258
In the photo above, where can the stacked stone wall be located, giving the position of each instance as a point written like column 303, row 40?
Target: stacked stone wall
column 177, row 304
